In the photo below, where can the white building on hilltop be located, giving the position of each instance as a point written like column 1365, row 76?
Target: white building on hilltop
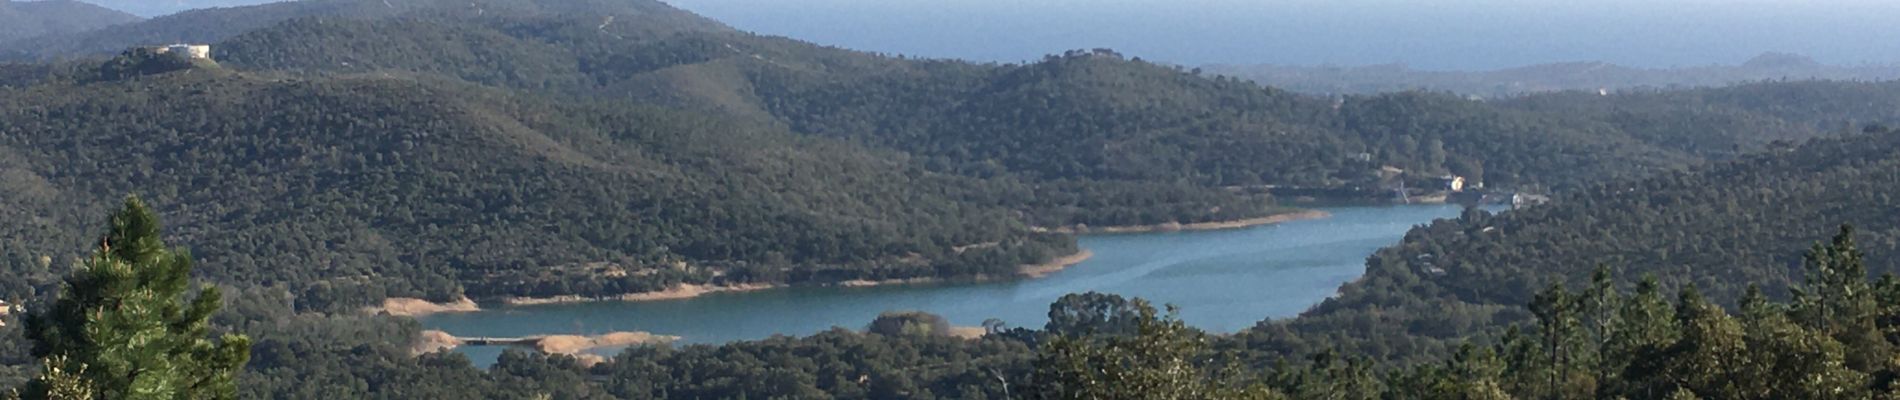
column 191, row 51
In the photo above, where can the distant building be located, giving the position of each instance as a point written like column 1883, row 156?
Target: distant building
column 191, row 51
column 5, row 309
column 1452, row 183
column 1521, row 200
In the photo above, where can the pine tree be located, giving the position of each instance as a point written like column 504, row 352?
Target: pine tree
column 1599, row 306
column 1708, row 358
column 1787, row 361
column 1560, row 330
column 1837, row 300
column 123, row 329
column 1644, row 328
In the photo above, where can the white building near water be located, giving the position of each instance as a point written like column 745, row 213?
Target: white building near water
column 191, row 51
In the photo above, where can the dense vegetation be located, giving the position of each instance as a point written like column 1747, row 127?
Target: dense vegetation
column 368, row 185
column 355, row 150
column 1835, row 340
column 1090, row 116
column 216, row 24
column 1722, row 228
column 121, row 328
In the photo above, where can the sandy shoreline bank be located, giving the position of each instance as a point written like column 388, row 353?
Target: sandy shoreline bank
column 574, row 345
column 1034, row 271
column 1030, row 271
column 683, row 291
column 688, row 291
column 408, row 307
column 417, row 307
column 1197, row 226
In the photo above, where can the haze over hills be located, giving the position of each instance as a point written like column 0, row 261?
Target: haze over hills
column 1583, row 76
column 216, row 24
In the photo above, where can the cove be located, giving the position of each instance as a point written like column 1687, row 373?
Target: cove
column 1223, row 281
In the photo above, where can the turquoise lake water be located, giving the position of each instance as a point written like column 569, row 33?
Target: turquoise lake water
column 1223, row 281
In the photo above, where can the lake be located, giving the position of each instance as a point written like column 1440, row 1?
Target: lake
column 1223, row 281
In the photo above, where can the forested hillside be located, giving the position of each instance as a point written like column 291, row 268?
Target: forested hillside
column 357, row 187
column 27, row 19
column 1721, row 228
column 216, row 24
column 345, row 151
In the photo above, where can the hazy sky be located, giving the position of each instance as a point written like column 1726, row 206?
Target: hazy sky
column 1437, row 34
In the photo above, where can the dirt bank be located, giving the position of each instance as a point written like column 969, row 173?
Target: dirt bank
column 407, row 307
column 433, row 341
column 684, row 291
column 1030, row 271
column 1198, row 226
column 1056, row 265
column 575, row 344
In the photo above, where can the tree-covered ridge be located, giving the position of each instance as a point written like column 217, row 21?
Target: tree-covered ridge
column 1084, row 115
column 27, row 19
column 361, row 187
column 217, row 24
column 1721, row 228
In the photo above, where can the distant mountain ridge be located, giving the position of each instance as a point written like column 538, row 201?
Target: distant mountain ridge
column 1091, row 115
column 27, row 19
column 1583, row 76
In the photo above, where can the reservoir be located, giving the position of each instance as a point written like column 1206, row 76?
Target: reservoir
column 1223, row 281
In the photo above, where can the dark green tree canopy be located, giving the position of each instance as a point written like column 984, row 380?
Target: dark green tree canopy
column 123, row 328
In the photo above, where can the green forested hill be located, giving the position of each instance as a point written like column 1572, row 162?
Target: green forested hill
column 1084, row 115
column 1721, row 228
column 216, row 24
column 27, row 19
column 371, row 185
column 360, row 149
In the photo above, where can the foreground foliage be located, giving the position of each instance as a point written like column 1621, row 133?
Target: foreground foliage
column 122, row 328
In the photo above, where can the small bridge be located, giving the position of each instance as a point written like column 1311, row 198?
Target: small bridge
column 500, row 341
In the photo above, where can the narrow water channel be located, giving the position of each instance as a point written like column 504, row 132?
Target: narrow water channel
column 1223, row 281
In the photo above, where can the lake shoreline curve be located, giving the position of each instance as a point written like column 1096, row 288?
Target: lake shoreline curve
column 1196, row 226
column 417, row 308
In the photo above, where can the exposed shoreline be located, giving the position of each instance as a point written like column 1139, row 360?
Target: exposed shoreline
column 1197, row 226
column 574, row 345
column 1034, row 271
column 688, row 291
column 417, row 307
column 683, row 291
column 1028, row 271
column 410, row 307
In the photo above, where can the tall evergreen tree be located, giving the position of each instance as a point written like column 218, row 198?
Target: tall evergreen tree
column 122, row 327
column 1561, row 337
